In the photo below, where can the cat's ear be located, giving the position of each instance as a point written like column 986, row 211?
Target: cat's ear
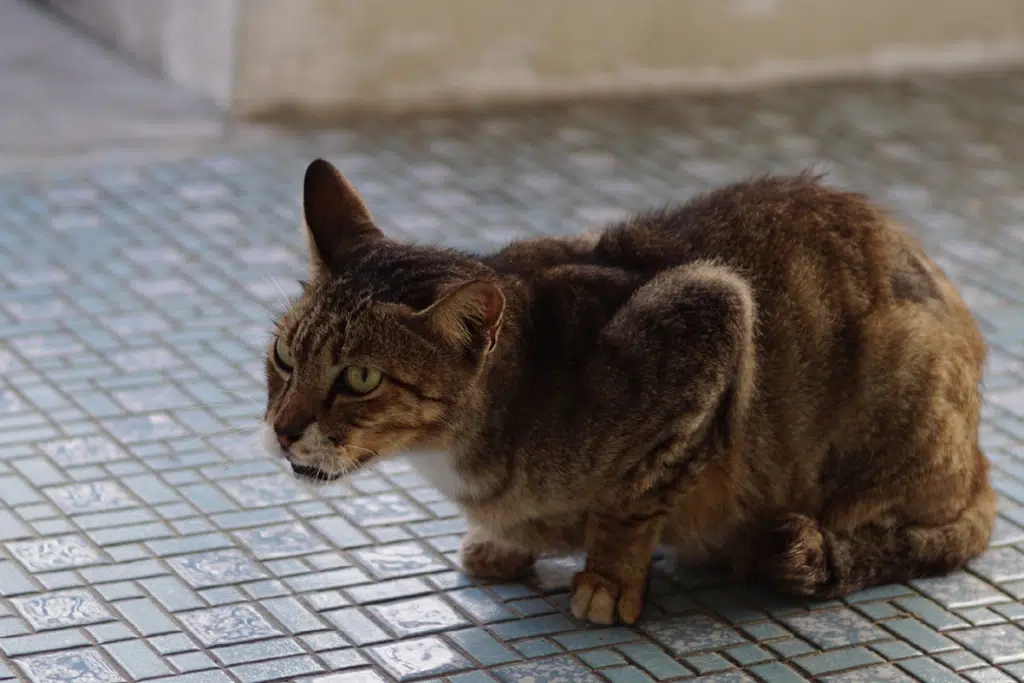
column 469, row 315
column 336, row 218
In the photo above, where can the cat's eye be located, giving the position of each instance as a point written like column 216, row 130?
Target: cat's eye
column 361, row 380
column 283, row 355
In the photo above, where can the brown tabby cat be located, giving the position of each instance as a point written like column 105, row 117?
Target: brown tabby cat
column 772, row 377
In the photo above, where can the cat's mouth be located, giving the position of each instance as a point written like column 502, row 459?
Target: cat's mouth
column 314, row 474
column 319, row 476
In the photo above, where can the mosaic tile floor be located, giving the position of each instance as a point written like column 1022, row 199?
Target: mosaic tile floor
column 145, row 537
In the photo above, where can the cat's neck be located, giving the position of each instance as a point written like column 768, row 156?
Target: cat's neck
column 470, row 471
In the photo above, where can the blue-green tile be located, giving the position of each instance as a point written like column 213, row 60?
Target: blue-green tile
column 535, row 626
column 836, row 660
column 482, row 647
column 595, row 637
column 626, row 674
column 563, row 669
column 835, row 628
column 776, row 672
column 598, row 659
column 894, row 650
column 536, row 647
column 654, row 660
column 929, row 671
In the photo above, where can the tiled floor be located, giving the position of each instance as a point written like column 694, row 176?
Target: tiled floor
column 145, row 536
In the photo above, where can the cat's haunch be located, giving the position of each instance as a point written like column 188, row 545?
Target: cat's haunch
column 772, row 377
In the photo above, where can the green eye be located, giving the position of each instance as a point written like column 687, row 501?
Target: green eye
column 283, row 355
column 361, row 380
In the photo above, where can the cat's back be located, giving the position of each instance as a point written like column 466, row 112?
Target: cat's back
column 760, row 225
column 794, row 238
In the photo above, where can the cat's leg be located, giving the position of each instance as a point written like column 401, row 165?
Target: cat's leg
column 812, row 559
column 487, row 557
column 674, row 358
column 614, row 582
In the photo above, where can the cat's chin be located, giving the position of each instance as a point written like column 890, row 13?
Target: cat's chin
column 313, row 475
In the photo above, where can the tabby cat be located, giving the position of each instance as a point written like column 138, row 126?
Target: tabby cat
column 772, row 378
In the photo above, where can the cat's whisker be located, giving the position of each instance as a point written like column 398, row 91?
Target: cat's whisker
column 285, row 301
column 346, row 481
column 340, row 472
column 360, row 448
column 230, row 432
column 345, row 470
column 213, row 405
column 241, row 395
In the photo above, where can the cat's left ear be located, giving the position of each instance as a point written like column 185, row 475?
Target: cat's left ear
column 470, row 316
column 336, row 217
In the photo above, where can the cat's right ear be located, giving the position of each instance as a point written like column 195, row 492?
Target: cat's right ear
column 336, row 217
column 469, row 316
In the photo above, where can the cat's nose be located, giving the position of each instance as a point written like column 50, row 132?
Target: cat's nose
column 286, row 437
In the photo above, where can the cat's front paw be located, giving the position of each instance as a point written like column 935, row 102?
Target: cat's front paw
column 601, row 600
column 488, row 558
column 797, row 562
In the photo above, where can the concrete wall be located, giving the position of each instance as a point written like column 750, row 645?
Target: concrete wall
column 267, row 58
column 189, row 41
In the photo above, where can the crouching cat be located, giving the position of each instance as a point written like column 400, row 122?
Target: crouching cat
column 772, row 377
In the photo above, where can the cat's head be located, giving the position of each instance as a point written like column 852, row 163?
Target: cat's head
column 382, row 348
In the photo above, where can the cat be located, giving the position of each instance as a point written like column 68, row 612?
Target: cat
column 772, row 378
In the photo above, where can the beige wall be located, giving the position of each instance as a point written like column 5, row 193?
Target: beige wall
column 321, row 57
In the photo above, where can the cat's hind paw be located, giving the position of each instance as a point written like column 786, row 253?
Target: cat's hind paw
column 797, row 561
column 599, row 600
column 486, row 558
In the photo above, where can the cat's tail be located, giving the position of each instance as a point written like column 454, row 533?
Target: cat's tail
column 934, row 550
